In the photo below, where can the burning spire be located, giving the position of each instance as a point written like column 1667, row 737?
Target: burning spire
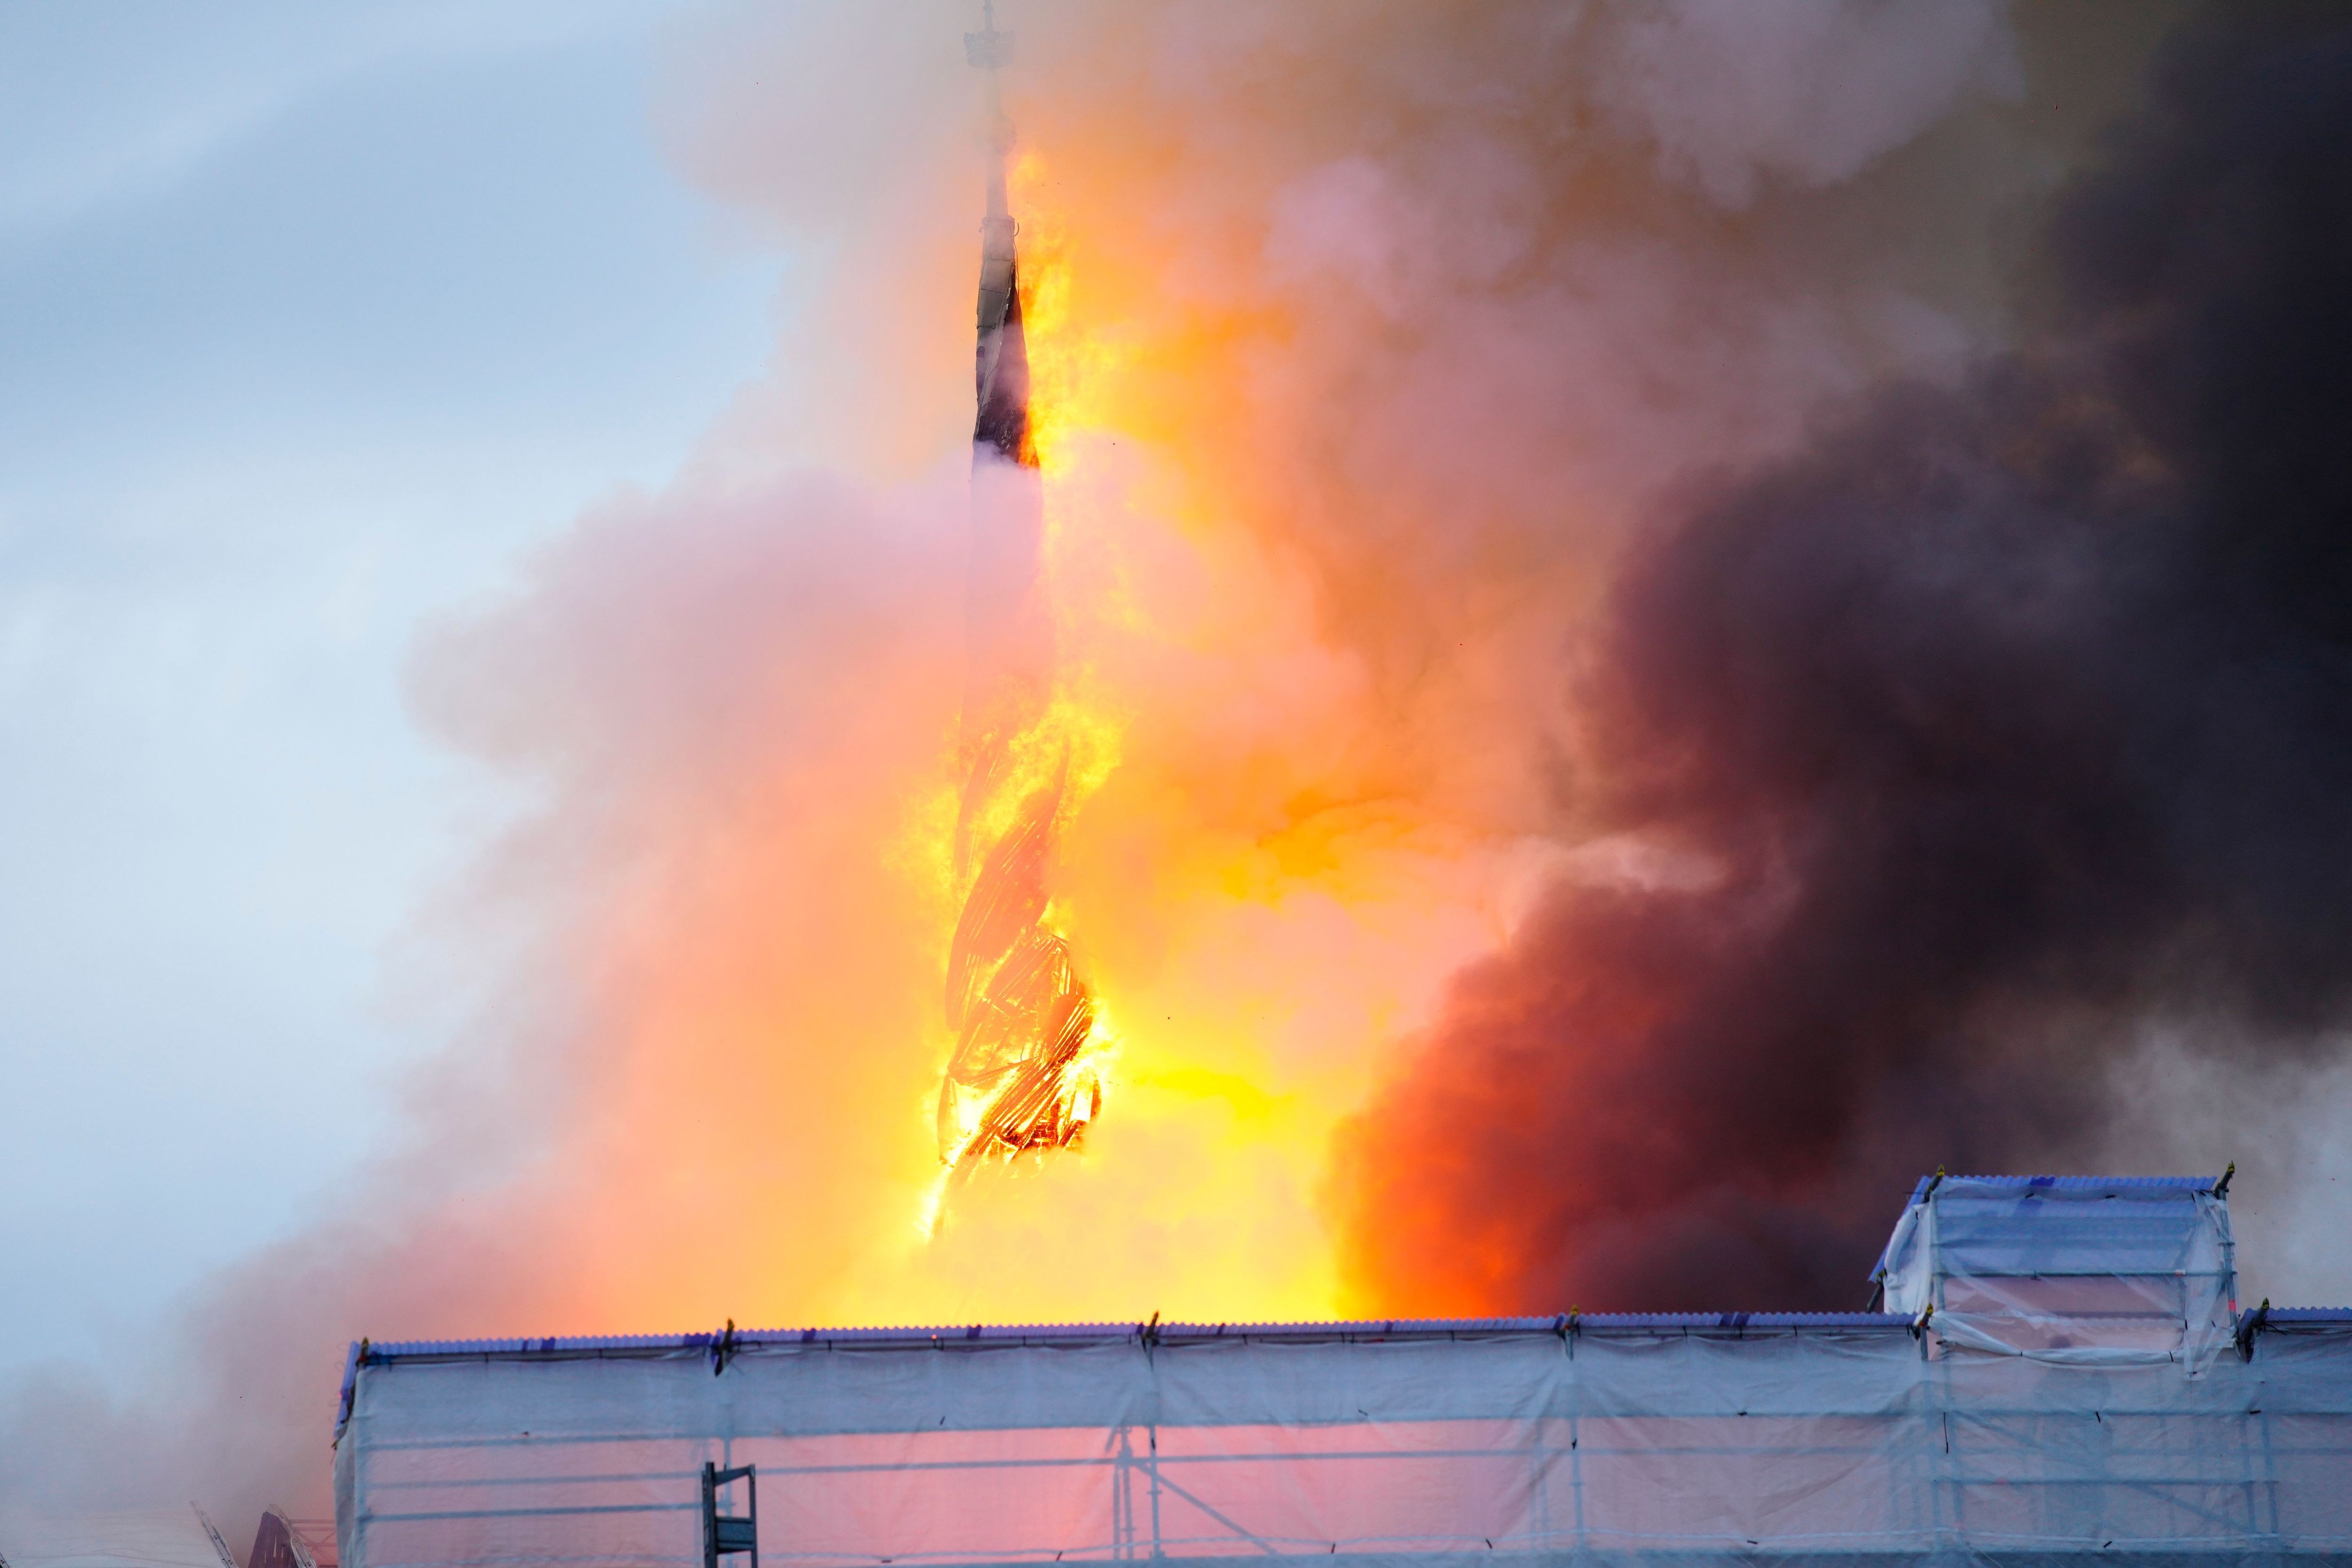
column 1022, row 1017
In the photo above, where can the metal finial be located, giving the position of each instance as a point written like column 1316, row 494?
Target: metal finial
column 988, row 49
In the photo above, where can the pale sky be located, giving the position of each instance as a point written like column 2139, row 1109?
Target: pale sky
column 313, row 318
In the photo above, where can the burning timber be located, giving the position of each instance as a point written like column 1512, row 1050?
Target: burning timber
column 1022, row 1018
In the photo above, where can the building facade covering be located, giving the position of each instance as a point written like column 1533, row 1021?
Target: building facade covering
column 2064, row 1375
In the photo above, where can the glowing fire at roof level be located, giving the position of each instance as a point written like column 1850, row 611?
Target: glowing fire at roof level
column 1018, row 1079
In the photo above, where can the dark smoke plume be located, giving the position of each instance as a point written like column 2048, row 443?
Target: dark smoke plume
column 2002, row 725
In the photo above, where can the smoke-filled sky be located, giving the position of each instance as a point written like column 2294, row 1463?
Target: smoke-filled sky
column 1674, row 613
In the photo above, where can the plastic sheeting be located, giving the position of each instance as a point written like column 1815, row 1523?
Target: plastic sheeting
column 150, row 1537
column 1599, row 1441
column 2095, row 1271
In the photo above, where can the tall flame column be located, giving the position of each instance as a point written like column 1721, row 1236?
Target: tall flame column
column 1021, row 1017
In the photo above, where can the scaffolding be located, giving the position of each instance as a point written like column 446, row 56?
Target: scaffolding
column 1593, row 1439
column 2060, row 1373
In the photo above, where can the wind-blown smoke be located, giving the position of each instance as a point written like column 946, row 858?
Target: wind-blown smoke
column 1999, row 725
column 1364, row 335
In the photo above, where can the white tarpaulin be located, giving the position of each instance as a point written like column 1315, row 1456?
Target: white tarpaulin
column 148, row 1538
column 1615, row 1440
column 2093, row 1270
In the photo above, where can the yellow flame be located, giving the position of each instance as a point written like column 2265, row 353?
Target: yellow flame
column 1066, row 363
column 1069, row 739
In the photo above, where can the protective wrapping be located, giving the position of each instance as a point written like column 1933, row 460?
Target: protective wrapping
column 142, row 1537
column 1594, row 1440
column 2087, row 1269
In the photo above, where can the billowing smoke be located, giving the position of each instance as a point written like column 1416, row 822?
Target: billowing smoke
column 1949, row 757
column 1893, row 787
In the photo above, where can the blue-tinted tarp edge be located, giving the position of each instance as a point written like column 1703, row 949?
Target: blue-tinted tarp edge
column 950, row 1335
column 2025, row 1185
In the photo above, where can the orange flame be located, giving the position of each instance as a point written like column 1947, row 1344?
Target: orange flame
column 1287, row 818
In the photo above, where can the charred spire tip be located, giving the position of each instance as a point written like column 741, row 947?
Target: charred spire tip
column 988, row 49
